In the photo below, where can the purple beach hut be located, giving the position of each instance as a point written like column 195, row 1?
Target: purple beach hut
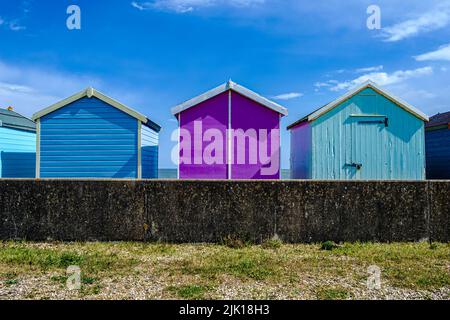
column 229, row 132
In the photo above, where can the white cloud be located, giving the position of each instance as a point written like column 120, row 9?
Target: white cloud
column 288, row 96
column 137, row 5
column 381, row 78
column 319, row 85
column 437, row 18
column 184, row 6
column 443, row 53
column 11, row 25
column 14, row 26
column 29, row 89
column 369, row 69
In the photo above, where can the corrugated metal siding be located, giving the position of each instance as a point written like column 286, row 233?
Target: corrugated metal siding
column 88, row 139
column 393, row 152
column 17, row 153
column 438, row 153
column 301, row 151
column 149, row 153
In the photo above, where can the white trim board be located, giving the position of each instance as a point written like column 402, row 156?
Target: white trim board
column 90, row 92
column 139, row 149
column 230, row 85
column 369, row 84
column 38, row 148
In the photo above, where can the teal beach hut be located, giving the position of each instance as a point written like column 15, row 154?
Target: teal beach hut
column 367, row 134
column 90, row 135
column 17, row 145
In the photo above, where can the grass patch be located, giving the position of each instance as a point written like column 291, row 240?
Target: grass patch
column 251, row 263
column 10, row 282
column 333, row 293
column 62, row 279
column 328, row 245
column 21, row 256
column 272, row 244
column 407, row 265
column 192, row 292
column 90, row 290
column 233, row 242
column 42, row 258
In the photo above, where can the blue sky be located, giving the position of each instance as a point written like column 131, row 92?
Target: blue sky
column 152, row 55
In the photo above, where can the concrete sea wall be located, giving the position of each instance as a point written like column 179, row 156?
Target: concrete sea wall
column 209, row 211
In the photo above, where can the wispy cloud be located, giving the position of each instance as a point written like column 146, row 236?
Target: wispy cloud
column 437, row 18
column 443, row 53
column 288, row 96
column 29, row 89
column 381, row 78
column 369, row 69
column 184, row 6
column 15, row 26
column 11, row 25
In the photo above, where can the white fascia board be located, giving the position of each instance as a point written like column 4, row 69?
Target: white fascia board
column 369, row 84
column 229, row 86
column 405, row 105
column 58, row 105
column 90, row 92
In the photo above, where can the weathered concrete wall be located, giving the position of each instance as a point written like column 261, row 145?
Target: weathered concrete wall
column 208, row 211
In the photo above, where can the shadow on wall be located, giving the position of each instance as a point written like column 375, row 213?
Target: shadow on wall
column 149, row 162
column 18, row 164
column 128, row 170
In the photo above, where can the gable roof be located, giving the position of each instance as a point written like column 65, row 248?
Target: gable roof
column 439, row 120
column 369, row 84
column 230, row 85
column 11, row 119
column 91, row 92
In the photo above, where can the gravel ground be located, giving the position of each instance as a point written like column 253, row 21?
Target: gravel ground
column 148, row 287
column 197, row 272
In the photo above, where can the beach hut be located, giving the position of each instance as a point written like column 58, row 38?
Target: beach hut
column 17, row 145
column 90, row 135
column 229, row 132
column 365, row 134
column 437, row 146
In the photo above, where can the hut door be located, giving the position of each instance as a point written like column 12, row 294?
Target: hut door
column 367, row 146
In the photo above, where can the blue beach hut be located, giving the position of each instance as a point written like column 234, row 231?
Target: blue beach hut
column 437, row 142
column 90, row 135
column 17, row 145
column 367, row 134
